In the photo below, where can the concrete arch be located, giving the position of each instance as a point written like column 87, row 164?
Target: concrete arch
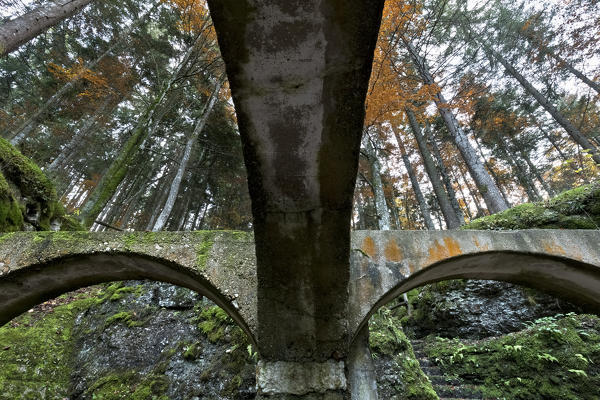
column 44, row 267
column 566, row 263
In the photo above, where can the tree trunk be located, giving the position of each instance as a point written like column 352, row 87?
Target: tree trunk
column 445, row 178
column 562, row 63
column 491, row 194
column 22, row 29
column 117, row 170
column 78, row 136
column 480, row 211
column 553, row 142
column 491, row 171
column 383, row 214
column 452, row 220
column 160, row 197
column 536, row 172
column 19, row 134
column 577, row 136
column 166, row 211
column 423, row 206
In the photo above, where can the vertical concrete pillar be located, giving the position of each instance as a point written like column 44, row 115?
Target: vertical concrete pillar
column 298, row 72
column 361, row 370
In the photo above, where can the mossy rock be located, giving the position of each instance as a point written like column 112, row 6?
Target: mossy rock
column 24, row 188
column 577, row 208
column 36, row 352
column 388, row 341
column 553, row 358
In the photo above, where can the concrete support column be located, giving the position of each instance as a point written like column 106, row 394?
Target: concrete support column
column 298, row 72
column 279, row 380
column 361, row 371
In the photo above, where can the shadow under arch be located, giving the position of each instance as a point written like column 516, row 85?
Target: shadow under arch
column 26, row 287
column 565, row 277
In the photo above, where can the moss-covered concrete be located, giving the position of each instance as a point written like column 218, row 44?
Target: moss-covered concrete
column 218, row 264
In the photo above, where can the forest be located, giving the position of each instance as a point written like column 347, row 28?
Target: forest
column 126, row 107
column 480, row 114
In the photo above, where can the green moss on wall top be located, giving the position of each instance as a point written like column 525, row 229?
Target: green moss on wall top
column 577, row 208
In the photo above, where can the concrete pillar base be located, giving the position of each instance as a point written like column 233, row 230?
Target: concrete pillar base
column 301, row 380
column 361, row 371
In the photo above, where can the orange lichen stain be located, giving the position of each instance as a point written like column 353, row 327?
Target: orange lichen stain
column 393, row 252
column 411, row 268
column 553, row 248
column 438, row 251
column 368, row 246
column 452, row 246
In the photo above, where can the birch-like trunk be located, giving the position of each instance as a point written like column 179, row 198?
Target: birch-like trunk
column 69, row 148
column 423, row 206
column 444, row 175
column 485, row 184
column 472, row 193
column 174, row 189
column 577, row 136
column 383, row 214
column 22, row 29
column 452, row 220
column 491, row 170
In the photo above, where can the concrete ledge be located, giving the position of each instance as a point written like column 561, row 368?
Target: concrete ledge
column 300, row 378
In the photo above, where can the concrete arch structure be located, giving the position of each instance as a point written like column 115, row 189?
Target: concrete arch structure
column 35, row 267
column 385, row 264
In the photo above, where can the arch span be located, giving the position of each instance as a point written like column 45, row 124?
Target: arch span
column 38, row 266
column 387, row 264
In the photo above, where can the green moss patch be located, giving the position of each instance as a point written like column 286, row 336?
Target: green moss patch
column 36, row 352
column 129, row 385
column 553, row 358
column 21, row 178
column 386, row 338
column 577, row 208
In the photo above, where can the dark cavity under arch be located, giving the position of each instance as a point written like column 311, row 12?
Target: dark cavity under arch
column 564, row 277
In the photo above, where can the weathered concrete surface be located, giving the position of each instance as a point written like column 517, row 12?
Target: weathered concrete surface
column 299, row 71
column 299, row 378
column 36, row 266
column 385, row 264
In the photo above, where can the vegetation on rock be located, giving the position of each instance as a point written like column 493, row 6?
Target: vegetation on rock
column 577, row 208
column 553, row 358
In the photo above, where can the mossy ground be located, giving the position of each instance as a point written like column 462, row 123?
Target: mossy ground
column 577, row 208
column 553, row 358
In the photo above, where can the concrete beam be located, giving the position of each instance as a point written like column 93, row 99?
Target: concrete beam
column 298, row 71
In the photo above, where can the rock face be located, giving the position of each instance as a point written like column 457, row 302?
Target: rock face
column 159, row 340
column 478, row 309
